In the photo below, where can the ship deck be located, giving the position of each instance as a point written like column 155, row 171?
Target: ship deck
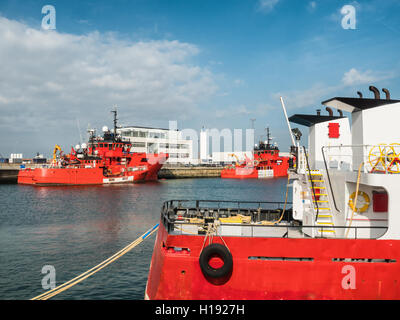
column 238, row 219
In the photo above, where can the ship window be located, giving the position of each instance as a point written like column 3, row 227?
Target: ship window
column 143, row 160
column 110, row 146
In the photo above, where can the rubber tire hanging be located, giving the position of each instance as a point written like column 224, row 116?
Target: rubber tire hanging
column 216, row 249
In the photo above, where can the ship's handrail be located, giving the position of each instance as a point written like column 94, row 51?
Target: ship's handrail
column 312, row 183
column 289, row 228
column 378, row 158
column 329, row 180
column 238, row 202
column 170, row 220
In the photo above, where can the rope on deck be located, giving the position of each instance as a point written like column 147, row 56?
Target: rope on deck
column 51, row 293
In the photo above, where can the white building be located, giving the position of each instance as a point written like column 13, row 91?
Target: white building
column 203, row 153
column 157, row 140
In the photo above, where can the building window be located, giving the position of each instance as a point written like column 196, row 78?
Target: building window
column 127, row 133
column 139, row 144
column 184, row 155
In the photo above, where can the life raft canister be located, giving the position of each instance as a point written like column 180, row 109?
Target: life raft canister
column 216, row 250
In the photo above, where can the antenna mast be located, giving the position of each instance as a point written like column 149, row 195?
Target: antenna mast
column 115, row 122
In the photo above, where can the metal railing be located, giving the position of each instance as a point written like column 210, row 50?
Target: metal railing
column 288, row 228
column 379, row 159
column 312, row 184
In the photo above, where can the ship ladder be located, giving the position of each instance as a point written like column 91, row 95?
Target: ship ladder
column 321, row 204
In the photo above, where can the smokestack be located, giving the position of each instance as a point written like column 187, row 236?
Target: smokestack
column 359, row 94
column 375, row 91
column 318, row 112
column 386, row 91
column 330, row 111
column 340, row 113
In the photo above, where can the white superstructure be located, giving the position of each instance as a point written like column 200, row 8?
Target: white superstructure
column 156, row 140
column 339, row 162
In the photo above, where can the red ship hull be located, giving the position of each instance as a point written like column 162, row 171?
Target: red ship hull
column 277, row 268
column 254, row 173
column 94, row 176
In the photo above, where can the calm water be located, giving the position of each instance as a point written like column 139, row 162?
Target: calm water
column 75, row 228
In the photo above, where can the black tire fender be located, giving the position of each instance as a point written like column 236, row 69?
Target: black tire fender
column 216, row 249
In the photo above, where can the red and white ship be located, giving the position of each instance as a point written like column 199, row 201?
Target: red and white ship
column 104, row 160
column 339, row 239
column 266, row 163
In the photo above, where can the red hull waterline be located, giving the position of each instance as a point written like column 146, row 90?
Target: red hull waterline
column 252, row 173
column 277, row 268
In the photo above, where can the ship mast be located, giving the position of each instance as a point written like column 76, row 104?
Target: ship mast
column 268, row 137
column 115, row 123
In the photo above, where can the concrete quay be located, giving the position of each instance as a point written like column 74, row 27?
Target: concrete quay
column 170, row 172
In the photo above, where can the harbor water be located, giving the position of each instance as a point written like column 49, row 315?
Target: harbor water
column 74, row 228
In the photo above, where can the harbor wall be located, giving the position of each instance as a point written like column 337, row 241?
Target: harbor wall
column 9, row 173
column 189, row 172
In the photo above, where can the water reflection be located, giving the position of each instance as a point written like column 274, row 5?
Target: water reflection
column 74, row 228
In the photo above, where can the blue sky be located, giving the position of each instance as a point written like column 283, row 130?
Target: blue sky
column 229, row 61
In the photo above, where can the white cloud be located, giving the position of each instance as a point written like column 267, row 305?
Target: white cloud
column 267, row 5
column 49, row 79
column 354, row 77
column 306, row 97
column 232, row 111
column 319, row 91
column 312, row 5
column 238, row 82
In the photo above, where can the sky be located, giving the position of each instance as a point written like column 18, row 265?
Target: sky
column 202, row 63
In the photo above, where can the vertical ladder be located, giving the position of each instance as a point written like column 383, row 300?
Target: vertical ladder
column 324, row 217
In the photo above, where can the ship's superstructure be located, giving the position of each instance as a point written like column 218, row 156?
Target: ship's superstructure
column 339, row 238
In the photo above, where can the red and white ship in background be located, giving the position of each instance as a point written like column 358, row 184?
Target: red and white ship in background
column 339, row 239
column 266, row 163
column 104, row 160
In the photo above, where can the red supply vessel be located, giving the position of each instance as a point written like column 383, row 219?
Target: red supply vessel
column 339, row 237
column 104, row 160
column 266, row 163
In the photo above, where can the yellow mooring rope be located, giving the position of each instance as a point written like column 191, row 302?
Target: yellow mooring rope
column 51, row 293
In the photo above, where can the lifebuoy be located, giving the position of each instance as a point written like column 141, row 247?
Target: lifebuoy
column 216, row 250
column 365, row 201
